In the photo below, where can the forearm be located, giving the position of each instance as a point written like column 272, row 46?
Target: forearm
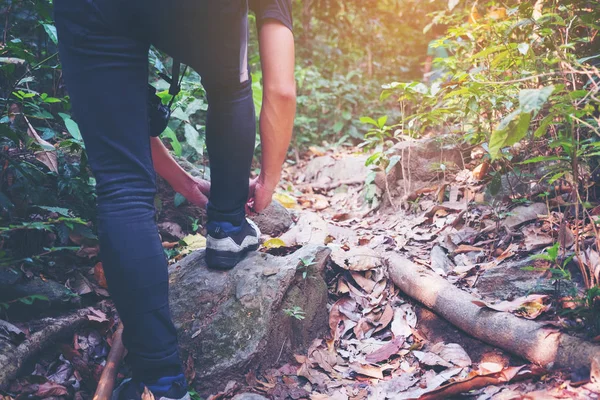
column 279, row 97
column 167, row 167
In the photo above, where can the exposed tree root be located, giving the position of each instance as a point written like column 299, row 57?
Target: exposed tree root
column 13, row 358
column 525, row 338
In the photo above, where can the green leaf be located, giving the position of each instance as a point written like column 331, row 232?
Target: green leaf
column 369, row 120
column 374, row 158
column 544, row 124
column 338, row 126
column 51, row 31
column 193, row 138
column 534, row 99
column 179, row 200
column 6, row 132
column 72, row 126
column 553, row 251
column 509, row 132
column 519, row 131
column 393, row 161
column 58, row 210
column 543, row 159
column 29, row 300
column 172, row 137
column 556, row 177
column 381, row 121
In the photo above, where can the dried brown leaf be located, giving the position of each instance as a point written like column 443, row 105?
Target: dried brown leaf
column 356, row 259
column 477, row 382
column 385, row 319
column 51, row 389
column 367, row 370
column 365, row 283
column 453, row 353
column 47, row 156
column 404, row 321
column 529, row 307
column 384, row 353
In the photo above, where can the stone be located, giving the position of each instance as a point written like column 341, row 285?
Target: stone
column 522, row 214
column 57, row 295
column 309, row 228
column 328, row 170
column 232, row 322
column 510, row 280
column 274, row 220
column 440, row 262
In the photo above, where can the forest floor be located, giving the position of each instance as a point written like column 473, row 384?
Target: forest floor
column 381, row 343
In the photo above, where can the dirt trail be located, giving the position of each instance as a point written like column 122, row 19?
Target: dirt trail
column 381, row 344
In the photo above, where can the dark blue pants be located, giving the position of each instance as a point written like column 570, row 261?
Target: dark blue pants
column 104, row 52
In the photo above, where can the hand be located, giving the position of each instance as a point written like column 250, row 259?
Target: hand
column 260, row 194
column 196, row 191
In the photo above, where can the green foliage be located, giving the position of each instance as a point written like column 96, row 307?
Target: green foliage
column 295, row 312
column 27, row 300
column 305, row 264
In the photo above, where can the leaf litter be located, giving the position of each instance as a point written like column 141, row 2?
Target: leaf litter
column 374, row 348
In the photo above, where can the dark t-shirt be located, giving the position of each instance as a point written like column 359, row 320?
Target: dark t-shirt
column 280, row 10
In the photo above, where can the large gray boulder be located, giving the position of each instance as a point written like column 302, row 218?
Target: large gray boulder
column 274, row 220
column 232, row 322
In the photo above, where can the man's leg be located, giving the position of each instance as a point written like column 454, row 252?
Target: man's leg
column 212, row 37
column 106, row 76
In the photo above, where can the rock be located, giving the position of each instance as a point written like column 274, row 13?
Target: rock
column 274, row 220
column 249, row 396
column 510, row 280
column 328, row 170
column 440, row 262
column 171, row 230
column 522, row 214
column 57, row 296
column 310, row 228
column 231, row 322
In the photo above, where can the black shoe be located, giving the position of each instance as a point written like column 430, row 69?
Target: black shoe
column 168, row 388
column 226, row 245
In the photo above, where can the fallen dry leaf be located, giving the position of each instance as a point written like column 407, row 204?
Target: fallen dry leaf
column 480, row 172
column 274, row 243
column 477, row 382
column 99, row 275
column 529, row 307
column 367, row 370
column 339, row 312
column 404, row 321
column 365, row 283
column 356, row 259
column 385, row 352
column 285, row 199
column 464, row 248
column 51, row 389
column 47, row 156
column 385, row 319
column 453, row 353
column 431, row 359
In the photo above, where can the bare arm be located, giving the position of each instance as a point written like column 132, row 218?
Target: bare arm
column 279, row 107
column 195, row 190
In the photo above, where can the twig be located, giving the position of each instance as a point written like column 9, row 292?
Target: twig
column 106, row 384
column 281, row 351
